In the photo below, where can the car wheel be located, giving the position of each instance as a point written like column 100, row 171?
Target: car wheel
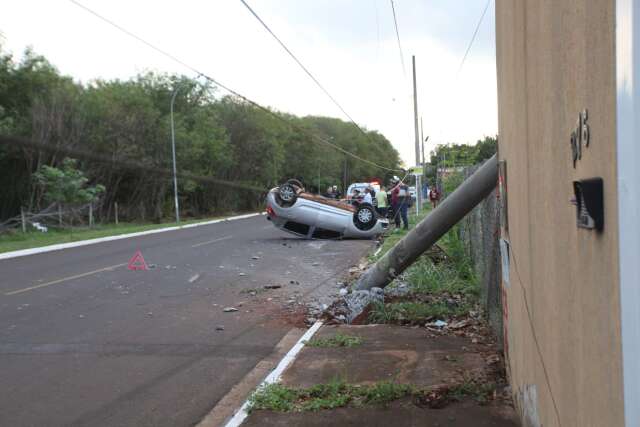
column 295, row 182
column 287, row 194
column 365, row 217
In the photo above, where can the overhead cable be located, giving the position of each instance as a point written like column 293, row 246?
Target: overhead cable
column 228, row 89
column 395, row 23
column 305, row 69
column 473, row 38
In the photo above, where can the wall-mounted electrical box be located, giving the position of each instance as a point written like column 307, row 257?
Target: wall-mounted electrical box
column 589, row 199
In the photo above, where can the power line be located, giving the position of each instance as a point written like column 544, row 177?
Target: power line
column 305, row 69
column 123, row 163
column 535, row 336
column 395, row 23
column 473, row 38
column 228, row 89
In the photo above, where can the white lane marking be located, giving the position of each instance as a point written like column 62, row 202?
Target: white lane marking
column 274, row 376
column 64, row 279
column 211, row 241
column 60, row 246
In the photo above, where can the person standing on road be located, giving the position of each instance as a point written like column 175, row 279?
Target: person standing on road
column 381, row 197
column 399, row 204
column 367, row 196
column 434, row 196
column 404, row 198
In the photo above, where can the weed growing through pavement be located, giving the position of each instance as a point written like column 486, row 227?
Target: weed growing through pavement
column 480, row 391
column 335, row 394
column 338, row 394
column 338, row 340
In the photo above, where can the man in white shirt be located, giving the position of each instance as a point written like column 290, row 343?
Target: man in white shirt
column 367, row 196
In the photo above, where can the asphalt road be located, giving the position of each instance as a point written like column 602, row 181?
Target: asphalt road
column 86, row 342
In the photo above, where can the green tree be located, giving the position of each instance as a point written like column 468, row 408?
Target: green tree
column 486, row 148
column 67, row 184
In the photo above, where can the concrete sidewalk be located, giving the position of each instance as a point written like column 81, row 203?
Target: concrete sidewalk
column 453, row 372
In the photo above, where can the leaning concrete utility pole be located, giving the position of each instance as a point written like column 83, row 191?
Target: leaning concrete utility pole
column 459, row 203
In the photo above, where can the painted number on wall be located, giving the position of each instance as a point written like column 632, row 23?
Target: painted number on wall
column 580, row 137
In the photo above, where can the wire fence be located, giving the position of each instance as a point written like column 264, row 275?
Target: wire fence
column 480, row 231
column 55, row 216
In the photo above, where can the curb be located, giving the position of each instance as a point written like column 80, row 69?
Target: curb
column 61, row 246
column 242, row 414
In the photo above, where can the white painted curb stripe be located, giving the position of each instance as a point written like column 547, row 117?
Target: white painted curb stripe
column 274, row 376
column 60, row 246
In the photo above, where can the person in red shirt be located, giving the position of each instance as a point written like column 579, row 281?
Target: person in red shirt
column 434, row 196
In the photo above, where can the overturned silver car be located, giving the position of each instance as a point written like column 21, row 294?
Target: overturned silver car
column 292, row 209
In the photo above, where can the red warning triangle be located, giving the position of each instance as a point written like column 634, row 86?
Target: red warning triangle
column 137, row 262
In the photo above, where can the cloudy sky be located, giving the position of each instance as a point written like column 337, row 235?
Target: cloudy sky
column 349, row 45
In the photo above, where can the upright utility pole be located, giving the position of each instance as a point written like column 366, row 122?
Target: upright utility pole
column 417, row 135
column 424, row 160
column 173, row 152
column 421, row 141
column 415, row 112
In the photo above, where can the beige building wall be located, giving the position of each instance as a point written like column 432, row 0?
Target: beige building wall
column 555, row 59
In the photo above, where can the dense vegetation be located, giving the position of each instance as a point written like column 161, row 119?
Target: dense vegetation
column 455, row 155
column 125, row 126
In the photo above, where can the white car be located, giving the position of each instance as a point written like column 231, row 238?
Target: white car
column 292, row 209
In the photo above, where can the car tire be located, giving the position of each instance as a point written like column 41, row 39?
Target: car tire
column 365, row 217
column 287, row 194
column 295, row 182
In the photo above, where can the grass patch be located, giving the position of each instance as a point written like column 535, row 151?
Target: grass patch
column 336, row 394
column 339, row 394
column 338, row 340
column 274, row 397
column 16, row 240
column 450, row 277
column 411, row 312
column 481, row 392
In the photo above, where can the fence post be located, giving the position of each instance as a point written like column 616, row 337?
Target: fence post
column 24, row 221
column 90, row 215
column 116, row 209
column 60, row 215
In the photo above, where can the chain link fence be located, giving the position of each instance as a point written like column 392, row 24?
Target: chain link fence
column 480, row 231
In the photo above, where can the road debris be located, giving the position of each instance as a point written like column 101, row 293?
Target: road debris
column 219, row 328
column 242, row 274
column 255, row 257
column 194, row 278
column 229, row 309
column 272, row 286
column 460, row 324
